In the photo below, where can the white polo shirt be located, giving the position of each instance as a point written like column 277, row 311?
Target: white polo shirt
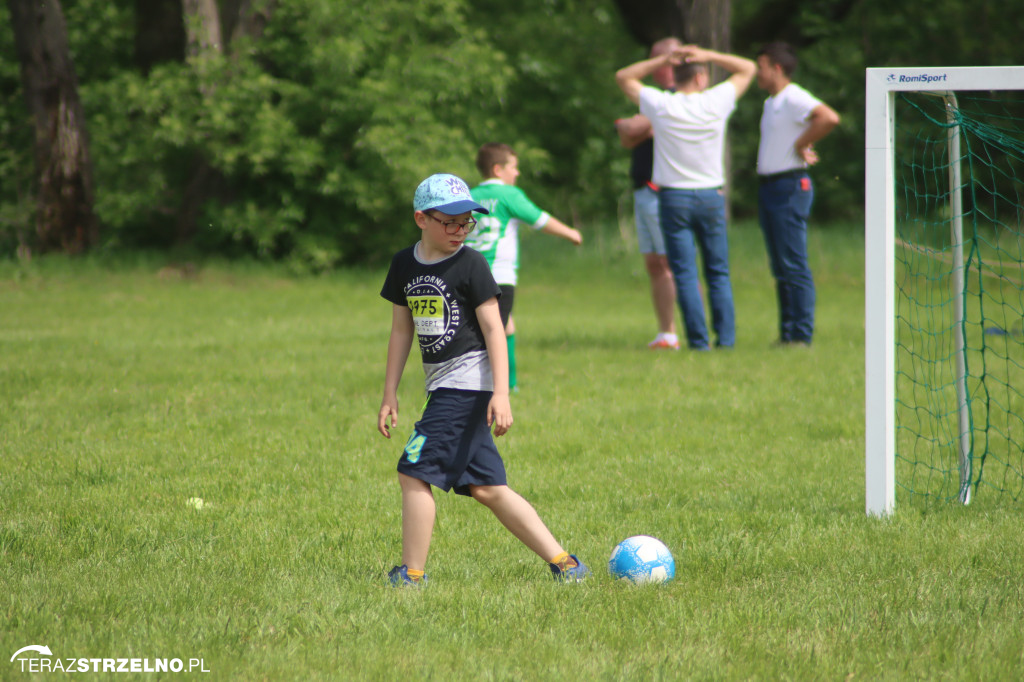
column 689, row 135
column 784, row 119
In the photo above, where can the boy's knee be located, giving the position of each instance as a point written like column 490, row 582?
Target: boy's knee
column 408, row 483
column 487, row 494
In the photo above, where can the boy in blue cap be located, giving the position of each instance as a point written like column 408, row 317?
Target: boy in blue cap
column 444, row 295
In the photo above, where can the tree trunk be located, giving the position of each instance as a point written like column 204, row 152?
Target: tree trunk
column 246, row 18
column 205, row 40
column 202, row 28
column 159, row 33
column 706, row 23
column 64, row 215
column 703, row 22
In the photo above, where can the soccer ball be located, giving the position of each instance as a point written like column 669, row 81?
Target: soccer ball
column 642, row 559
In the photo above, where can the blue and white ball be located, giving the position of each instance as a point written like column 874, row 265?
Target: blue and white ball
column 642, row 559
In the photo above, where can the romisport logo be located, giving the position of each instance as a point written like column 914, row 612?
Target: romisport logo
column 30, row 664
column 920, row 78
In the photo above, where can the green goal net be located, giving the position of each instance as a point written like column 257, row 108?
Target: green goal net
column 958, row 204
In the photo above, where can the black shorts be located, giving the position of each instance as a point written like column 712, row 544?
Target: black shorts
column 505, row 301
column 451, row 447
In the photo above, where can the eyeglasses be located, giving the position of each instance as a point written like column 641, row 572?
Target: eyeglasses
column 452, row 227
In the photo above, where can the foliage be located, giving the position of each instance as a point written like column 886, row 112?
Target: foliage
column 563, row 100
column 307, row 142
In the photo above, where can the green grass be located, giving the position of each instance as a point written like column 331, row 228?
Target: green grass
column 125, row 394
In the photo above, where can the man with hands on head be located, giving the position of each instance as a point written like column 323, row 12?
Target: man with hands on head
column 689, row 147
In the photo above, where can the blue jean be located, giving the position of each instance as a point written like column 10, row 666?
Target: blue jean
column 784, row 204
column 693, row 219
column 648, row 225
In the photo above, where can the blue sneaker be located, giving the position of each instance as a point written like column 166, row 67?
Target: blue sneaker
column 570, row 574
column 399, row 577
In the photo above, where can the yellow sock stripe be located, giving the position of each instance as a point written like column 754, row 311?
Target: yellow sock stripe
column 560, row 559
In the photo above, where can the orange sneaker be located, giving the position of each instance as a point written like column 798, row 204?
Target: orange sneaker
column 661, row 343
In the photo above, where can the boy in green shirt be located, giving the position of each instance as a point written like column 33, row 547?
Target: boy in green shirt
column 497, row 236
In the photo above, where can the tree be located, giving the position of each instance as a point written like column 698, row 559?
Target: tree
column 703, row 22
column 207, row 42
column 159, row 33
column 787, row 20
column 64, row 211
column 317, row 118
column 204, row 43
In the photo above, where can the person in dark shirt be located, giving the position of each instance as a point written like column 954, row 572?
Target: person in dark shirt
column 443, row 294
column 635, row 133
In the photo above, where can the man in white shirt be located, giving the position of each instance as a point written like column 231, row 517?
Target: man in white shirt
column 792, row 121
column 689, row 146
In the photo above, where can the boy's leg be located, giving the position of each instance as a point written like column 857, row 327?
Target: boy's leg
column 510, row 337
column 519, row 516
column 676, row 214
column 511, row 341
column 418, row 513
column 663, row 291
column 709, row 221
column 505, row 302
column 652, row 246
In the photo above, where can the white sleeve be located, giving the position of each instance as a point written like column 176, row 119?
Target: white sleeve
column 722, row 98
column 801, row 103
column 650, row 100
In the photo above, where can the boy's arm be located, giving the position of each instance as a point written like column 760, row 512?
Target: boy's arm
column 499, row 410
column 399, row 344
column 559, row 229
column 823, row 119
column 633, row 130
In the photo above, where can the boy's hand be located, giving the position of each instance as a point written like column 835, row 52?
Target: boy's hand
column 559, row 229
column 808, row 154
column 499, row 414
column 686, row 54
column 387, row 409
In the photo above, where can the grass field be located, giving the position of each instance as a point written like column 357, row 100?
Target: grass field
column 128, row 390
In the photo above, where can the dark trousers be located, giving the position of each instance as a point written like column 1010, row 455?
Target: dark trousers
column 784, row 204
column 693, row 220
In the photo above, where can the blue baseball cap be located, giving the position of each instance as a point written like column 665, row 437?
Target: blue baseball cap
column 445, row 193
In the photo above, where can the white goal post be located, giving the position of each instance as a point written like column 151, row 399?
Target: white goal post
column 882, row 84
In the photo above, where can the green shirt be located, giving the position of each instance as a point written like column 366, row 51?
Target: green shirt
column 496, row 234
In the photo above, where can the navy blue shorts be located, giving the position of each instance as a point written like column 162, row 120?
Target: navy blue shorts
column 451, row 447
column 505, row 302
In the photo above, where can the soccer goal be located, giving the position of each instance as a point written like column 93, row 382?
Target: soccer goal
column 944, row 285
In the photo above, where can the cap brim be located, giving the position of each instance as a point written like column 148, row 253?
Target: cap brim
column 459, row 207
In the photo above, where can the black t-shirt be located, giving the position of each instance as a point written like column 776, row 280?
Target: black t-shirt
column 443, row 297
column 642, row 163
